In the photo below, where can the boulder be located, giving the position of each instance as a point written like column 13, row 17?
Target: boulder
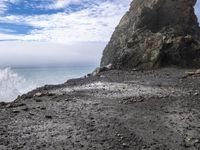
column 101, row 69
column 154, row 34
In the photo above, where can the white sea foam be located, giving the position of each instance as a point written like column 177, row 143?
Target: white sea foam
column 17, row 81
column 11, row 85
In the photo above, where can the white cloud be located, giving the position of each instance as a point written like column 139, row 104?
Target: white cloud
column 61, row 4
column 18, row 53
column 66, row 31
column 10, row 37
column 3, row 5
column 94, row 23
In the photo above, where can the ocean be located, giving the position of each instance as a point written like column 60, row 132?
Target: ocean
column 18, row 81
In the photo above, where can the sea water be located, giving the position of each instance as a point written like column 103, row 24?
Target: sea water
column 17, row 81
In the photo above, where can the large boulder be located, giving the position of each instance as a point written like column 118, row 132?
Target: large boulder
column 153, row 34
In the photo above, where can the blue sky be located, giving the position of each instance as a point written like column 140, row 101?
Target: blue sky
column 29, row 26
column 60, row 21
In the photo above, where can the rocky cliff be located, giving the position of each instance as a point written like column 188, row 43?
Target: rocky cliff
column 153, row 34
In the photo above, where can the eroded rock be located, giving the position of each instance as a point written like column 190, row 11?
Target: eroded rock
column 153, row 34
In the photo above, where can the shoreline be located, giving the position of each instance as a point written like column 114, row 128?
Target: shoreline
column 112, row 110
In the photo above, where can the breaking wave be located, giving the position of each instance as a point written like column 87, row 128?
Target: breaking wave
column 12, row 85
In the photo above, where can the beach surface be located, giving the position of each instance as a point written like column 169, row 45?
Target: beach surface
column 129, row 110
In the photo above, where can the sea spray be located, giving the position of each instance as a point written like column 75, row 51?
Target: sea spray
column 17, row 81
column 11, row 85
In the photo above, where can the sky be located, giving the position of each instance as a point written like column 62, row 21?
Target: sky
column 58, row 32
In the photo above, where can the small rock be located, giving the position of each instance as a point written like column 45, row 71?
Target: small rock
column 43, row 108
column 38, row 94
column 2, row 104
column 32, row 114
column 144, row 147
column 96, row 71
column 118, row 135
column 184, row 77
column 196, row 141
column 21, row 104
column 101, row 69
column 38, row 100
column 50, row 94
column 27, row 96
column 25, row 109
column 15, row 111
column 48, row 116
column 197, row 71
column 8, row 106
column 125, row 145
column 187, row 145
column 190, row 73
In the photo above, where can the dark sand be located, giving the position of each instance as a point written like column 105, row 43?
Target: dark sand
column 117, row 110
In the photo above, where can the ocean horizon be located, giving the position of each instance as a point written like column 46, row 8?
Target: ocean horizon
column 15, row 81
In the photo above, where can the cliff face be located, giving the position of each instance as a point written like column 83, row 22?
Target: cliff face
column 155, row 33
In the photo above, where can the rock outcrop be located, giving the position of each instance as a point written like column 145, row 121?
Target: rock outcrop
column 153, row 34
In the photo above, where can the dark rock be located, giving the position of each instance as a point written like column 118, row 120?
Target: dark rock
column 2, row 104
column 51, row 94
column 82, row 118
column 38, row 100
column 25, row 109
column 16, row 111
column 48, row 116
column 20, row 104
column 43, row 108
column 32, row 114
column 9, row 106
column 27, row 96
column 155, row 33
